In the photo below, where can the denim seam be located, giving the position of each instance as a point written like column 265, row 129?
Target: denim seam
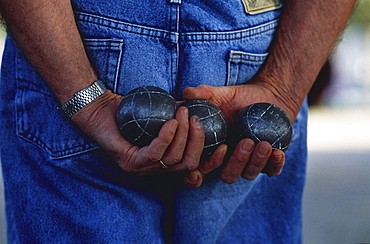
column 229, row 35
column 174, row 52
column 131, row 28
column 33, row 90
column 116, row 79
column 58, row 154
column 175, row 36
column 247, row 60
column 115, row 45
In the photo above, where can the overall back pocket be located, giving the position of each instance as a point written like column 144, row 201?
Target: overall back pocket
column 39, row 121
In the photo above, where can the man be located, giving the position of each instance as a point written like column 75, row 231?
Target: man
column 82, row 182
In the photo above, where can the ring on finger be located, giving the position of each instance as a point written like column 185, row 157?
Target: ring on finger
column 163, row 165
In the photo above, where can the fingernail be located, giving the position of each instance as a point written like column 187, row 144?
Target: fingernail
column 248, row 146
column 224, row 149
column 197, row 123
column 174, row 126
column 263, row 150
column 193, row 178
column 186, row 114
column 277, row 158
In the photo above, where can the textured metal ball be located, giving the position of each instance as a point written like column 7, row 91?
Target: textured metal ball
column 213, row 123
column 264, row 122
column 142, row 113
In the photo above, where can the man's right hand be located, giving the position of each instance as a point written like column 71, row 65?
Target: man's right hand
column 179, row 144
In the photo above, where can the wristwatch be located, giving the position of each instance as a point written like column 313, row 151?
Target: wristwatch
column 82, row 98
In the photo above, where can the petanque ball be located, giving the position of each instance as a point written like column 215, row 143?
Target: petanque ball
column 142, row 113
column 213, row 123
column 263, row 122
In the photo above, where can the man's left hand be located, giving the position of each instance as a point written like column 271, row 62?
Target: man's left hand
column 248, row 159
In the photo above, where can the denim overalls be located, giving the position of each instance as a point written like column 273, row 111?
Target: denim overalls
column 61, row 187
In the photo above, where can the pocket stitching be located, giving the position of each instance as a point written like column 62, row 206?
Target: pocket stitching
column 239, row 58
column 89, row 44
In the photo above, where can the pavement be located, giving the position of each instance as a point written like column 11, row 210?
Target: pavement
column 337, row 197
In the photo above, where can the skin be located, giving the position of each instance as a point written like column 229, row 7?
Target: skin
column 306, row 34
column 47, row 33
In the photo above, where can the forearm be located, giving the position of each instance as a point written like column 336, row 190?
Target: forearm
column 47, row 33
column 304, row 39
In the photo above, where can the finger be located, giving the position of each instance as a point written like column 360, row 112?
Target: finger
column 275, row 164
column 157, row 148
column 258, row 160
column 215, row 161
column 145, row 160
column 193, row 178
column 238, row 161
column 194, row 146
column 176, row 149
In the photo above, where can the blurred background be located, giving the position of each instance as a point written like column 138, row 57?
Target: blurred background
column 337, row 197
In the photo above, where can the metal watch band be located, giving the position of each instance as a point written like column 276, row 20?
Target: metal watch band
column 82, row 98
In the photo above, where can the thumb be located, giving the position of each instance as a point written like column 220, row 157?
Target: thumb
column 202, row 92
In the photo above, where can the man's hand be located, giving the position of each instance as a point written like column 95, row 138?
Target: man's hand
column 48, row 35
column 302, row 43
column 232, row 99
column 247, row 159
column 179, row 144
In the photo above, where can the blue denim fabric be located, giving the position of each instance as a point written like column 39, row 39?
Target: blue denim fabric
column 61, row 187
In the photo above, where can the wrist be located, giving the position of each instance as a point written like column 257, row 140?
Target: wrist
column 104, row 107
column 83, row 98
column 286, row 93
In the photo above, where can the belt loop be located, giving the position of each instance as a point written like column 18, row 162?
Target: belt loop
column 175, row 1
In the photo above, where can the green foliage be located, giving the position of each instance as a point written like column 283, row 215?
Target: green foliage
column 361, row 14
